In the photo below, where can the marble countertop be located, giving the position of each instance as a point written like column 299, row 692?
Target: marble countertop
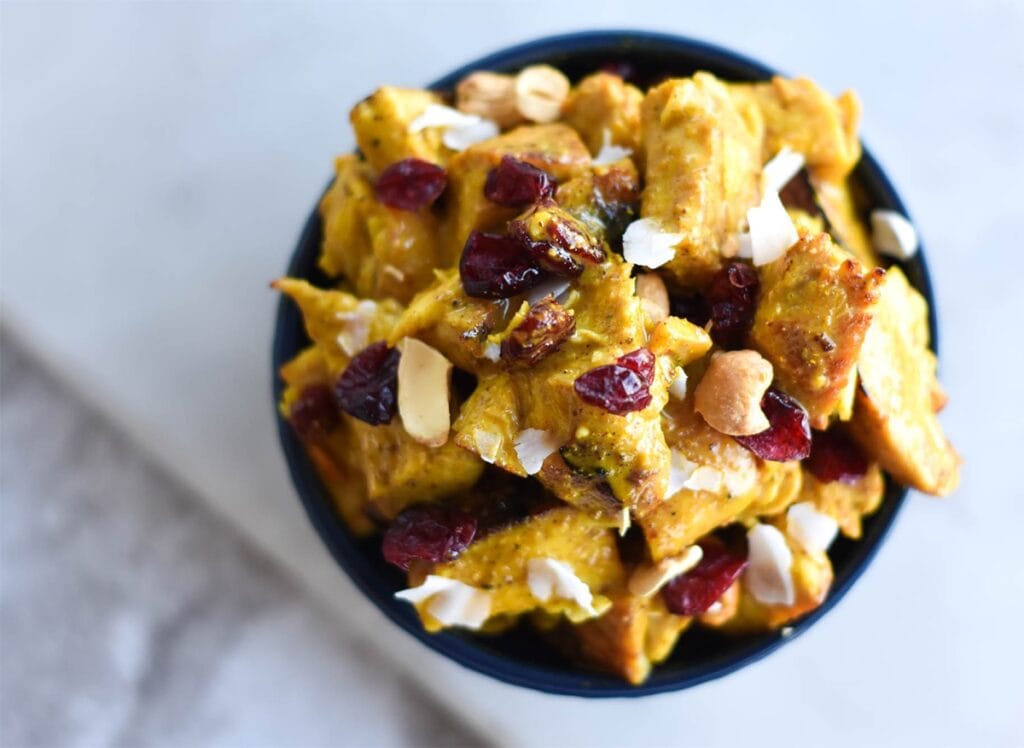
column 156, row 164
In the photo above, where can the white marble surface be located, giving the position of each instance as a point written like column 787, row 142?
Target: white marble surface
column 129, row 615
column 157, row 163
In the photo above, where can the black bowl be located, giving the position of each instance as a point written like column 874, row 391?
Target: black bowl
column 520, row 657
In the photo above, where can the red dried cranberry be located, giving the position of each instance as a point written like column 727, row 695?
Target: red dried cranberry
column 693, row 307
column 836, row 457
column 496, row 267
column 789, row 435
column 427, row 533
column 621, row 387
column 411, row 184
column 692, row 593
column 732, row 299
column 314, row 412
column 515, row 184
column 368, row 387
column 798, row 193
column 622, row 68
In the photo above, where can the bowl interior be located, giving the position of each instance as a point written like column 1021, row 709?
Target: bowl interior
column 521, row 657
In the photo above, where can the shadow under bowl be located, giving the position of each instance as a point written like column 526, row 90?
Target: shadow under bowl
column 521, row 657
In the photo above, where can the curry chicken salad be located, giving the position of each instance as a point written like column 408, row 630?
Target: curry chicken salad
column 611, row 362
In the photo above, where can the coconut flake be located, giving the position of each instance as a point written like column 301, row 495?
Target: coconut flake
column 646, row 243
column 610, row 153
column 533, row 447
column 556, row 287
column 813, row 530
column 893, row 235
column 461, row 130
column 785, row 165
column 452, row 602
column 744, row 246
column 739, row 481
column 649, row 578
column 423, row 376
column 704, row 478
column 355, row 333
column 624, row 521
column 679, row 471
column 769, row 575
column 677, row 388
column 492, row 351
column 548, row 577
column 488, row 445
column 771, row 230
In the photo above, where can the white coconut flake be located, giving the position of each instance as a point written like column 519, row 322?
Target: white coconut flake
column 557, row 287
column 740, row 480
column 355, row 333
column 461, row 130
column 451, row 602
column 548, row 578
column 769, row 575
column 893, row 235
column 492, row 352
column 463, row 136
column 744, row 246
column 715, row 607
column 488, row 445
column 704, row 478
column 813, row 530
column 646, row 243
column 624, row 521
column 771, row 230
column 610, row 153
column 677, row 388
column 783, row 166
column 533, row 447
column 679, row 471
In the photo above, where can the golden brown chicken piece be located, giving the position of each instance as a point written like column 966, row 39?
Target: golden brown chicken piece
column 603, row 106
column 381, row 124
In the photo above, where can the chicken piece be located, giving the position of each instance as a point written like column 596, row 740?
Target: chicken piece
column 703, row 170
column 837, row 201
column 798, row 114
column 381, row 124
column 606, row 461
column 635, row 634
column 337, row 322
column 846, row 503
column 605, row 198
column 555, row 148
column 603, row 106
column 383, row 252
column 731, row 481
column 894, row 418
column 816, row 305
column 342, row 478
column 499, row 563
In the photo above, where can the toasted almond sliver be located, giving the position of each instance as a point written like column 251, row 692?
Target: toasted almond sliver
column 649, row 578
column 423, row 379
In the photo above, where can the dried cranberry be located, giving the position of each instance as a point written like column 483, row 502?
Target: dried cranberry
column 427, row 533
column 622, row 68
column 692, row 593
column 496, row 267
column 314, row 412
column 693, row 307
column 836, row 457
column 789, row 435
column 557, row 240
column 621, row 387
column 368, row 387
column 732, row 299
column 546, row 326
column 411, row 184
column 515, row 184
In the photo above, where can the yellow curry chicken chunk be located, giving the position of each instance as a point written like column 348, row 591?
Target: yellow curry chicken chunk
column 611, row 451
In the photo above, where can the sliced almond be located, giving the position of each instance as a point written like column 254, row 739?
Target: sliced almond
column 653, row 297
column 649, row 578
column 424, row 375
column 729, row 394
column 540, row 92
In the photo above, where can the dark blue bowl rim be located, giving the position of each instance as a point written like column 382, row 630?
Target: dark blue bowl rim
column 463, row 648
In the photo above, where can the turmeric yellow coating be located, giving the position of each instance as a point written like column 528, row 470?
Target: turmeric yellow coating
column 551, row 477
